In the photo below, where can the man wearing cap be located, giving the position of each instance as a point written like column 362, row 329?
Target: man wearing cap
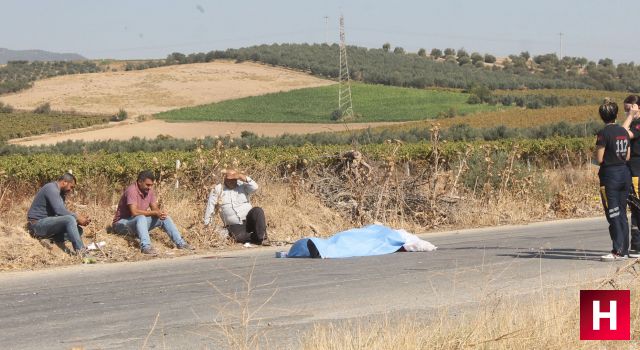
column 48, row 217
column 244, row 222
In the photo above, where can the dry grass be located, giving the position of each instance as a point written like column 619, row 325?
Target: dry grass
column 155, row 90
column 542, row 319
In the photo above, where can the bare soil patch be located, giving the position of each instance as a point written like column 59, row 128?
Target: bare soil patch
column 159, row 89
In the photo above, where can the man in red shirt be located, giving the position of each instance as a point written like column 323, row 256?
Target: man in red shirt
column 138, row 212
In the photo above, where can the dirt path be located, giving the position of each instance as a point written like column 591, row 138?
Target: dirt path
column 159, row 89
column 153, row 128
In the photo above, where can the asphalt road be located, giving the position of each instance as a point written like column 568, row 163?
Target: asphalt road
column 188, row 301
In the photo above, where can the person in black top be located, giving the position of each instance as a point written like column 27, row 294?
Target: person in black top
column 632, row 124
column 612, row 152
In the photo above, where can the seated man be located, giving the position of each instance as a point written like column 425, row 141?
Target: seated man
column 244, row 222
column 133, row 215
column 48, row 216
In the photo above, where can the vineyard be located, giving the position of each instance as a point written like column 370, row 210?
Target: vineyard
column 121, row 167
column 593, row 96
column 513, row 117
column 23, row 124
column 312, row 105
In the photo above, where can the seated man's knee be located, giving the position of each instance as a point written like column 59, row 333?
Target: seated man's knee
column 69, row 219
column 139, row 219
column 258, row 210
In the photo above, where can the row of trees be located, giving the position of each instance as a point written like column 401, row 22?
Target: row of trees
column 18, row 75
column 461, row 132
column 481, row 94
column 441, row 68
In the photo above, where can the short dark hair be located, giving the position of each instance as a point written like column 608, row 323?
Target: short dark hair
column 632, row 99
column 608, row 111
column 68, row 177
column 146, row 174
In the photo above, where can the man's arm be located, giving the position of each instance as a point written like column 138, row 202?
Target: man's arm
column 54, row 199
column 211, row 205
column 632, row 114
column 600, row 154
column 250, row 186
column 135, row 211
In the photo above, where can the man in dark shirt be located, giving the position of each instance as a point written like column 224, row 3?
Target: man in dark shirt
column 48, row 216
column 632, row 124
column 612, row 152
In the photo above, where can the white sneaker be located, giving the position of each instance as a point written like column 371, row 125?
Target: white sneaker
column 612, row 257
column 634, row 254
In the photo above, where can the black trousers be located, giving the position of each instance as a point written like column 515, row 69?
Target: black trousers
column 615, row 183
column 253, row 229
column 634, row 166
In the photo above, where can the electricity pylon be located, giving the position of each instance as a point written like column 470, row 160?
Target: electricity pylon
column 345, row 105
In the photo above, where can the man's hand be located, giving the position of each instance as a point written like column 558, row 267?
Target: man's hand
column 83, row 220
column 634, row 111
column 163, row 215
column 233, row 175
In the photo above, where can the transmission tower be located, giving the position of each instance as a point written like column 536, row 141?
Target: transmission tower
column 345, row 105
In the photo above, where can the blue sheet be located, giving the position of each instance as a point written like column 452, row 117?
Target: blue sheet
column 366, row 241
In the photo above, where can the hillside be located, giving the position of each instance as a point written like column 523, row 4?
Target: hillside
column 160, row 89
column 7, row 55
column 449, row 68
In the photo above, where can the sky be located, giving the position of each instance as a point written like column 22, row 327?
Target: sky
column 138, row 29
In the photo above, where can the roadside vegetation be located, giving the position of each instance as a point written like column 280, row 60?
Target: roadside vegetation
column 545, row 317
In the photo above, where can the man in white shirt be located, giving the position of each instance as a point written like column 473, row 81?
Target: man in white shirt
column 244, row 222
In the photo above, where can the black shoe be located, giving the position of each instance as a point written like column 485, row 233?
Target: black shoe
column 265, row 242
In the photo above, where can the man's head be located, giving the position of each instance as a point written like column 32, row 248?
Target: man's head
column 608, row 111
column 145, row 181
column 630, row 101
column 231, row 178
column 67, row 182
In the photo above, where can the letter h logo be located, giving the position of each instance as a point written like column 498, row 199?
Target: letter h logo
column 605, row 315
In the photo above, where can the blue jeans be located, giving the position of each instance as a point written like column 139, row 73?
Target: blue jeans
column 59, row 228
column 141, row 225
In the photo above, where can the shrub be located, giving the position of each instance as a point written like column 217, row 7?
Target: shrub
column 44, row 108
column 5, row 108
column 474, row 99
column 336, row 114
column 120, row 116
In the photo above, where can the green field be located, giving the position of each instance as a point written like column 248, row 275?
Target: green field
column 23, row 124
column 372, row 103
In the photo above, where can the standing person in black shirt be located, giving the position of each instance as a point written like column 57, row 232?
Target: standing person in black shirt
column 632, row 124
column 612, row 152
